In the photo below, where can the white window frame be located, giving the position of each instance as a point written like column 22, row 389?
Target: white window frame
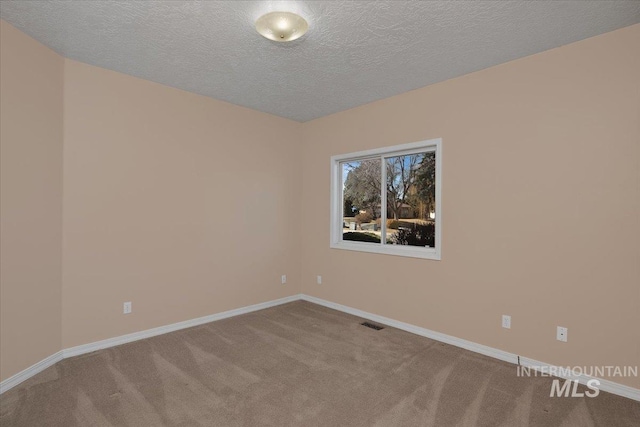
column 337, row 208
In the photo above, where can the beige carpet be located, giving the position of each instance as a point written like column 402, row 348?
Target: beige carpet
column 298, row 364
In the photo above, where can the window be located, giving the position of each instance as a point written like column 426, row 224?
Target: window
column 387, row 200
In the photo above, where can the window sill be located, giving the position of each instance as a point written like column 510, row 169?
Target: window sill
column 405, row 251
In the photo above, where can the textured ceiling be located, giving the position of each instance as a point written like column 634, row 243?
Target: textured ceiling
column 355, row 51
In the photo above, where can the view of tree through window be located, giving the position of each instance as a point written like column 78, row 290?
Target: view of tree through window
column 410, row 193
column 362, row 196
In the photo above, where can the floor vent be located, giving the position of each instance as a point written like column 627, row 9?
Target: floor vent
column 372, row 326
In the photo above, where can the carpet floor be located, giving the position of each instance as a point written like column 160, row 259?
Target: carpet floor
column 297, row 364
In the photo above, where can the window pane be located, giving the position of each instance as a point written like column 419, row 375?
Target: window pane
column 361, row 200
column 411, row 199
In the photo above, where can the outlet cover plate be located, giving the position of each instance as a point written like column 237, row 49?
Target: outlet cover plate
column 506, row 321
column 561, row 334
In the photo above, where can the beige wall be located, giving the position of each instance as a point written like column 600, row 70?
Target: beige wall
column 182, row 204
column 30, row 200
column 541, row 205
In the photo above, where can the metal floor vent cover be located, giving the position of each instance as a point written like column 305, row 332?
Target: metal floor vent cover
column 372, row 326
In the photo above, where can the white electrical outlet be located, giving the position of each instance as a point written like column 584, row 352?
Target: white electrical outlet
column 506, row 321
column 127, row 307
column 562, row 334
column 319, row 280
column 284, row 279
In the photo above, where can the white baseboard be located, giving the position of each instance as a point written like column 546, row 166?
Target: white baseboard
column 123, row 339
column 25, row 374
column 448, row 339
column 605, row 385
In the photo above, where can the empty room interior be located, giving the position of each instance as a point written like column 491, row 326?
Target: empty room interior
column 320, row 213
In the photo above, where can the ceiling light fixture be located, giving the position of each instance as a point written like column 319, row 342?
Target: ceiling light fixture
column 281, row 26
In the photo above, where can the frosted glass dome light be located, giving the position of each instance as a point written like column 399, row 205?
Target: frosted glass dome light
column 282, row 26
